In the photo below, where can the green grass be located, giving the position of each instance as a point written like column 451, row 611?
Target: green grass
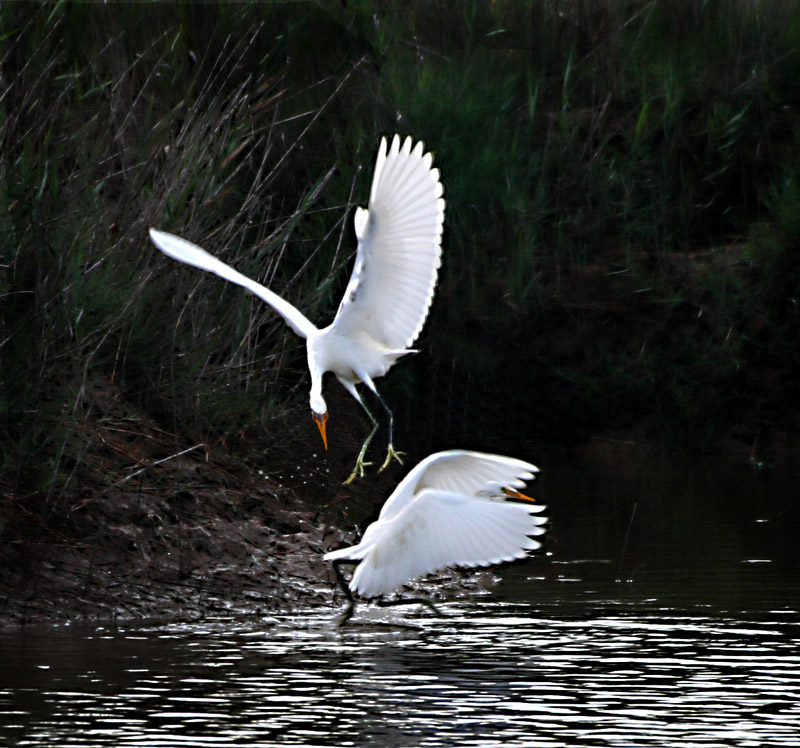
column 621, row 234
column 101, row 140
column 596, row 152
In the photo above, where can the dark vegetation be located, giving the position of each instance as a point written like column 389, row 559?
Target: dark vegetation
column 622, row 247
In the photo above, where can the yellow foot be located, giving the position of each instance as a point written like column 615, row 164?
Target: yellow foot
column 390, row 455
column 358, row 470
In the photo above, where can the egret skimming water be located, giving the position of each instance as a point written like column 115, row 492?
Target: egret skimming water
column 455, row 508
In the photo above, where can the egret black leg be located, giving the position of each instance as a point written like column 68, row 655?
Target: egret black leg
column 391, row 453
column 358, row 470
column 410, row 601
column 340, row 578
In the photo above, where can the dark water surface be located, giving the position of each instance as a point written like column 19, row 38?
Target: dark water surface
column 667, row 614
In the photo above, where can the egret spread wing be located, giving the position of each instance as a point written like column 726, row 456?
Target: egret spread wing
column 440, row 529
column 399, row 249
column 460, row 470
column 191, row 254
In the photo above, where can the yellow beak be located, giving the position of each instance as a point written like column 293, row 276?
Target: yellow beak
column 517, row 495
column 321, row 420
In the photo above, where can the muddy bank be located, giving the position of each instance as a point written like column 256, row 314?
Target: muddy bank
column 151, row 526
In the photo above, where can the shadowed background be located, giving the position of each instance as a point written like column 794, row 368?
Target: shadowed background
column 620, row 252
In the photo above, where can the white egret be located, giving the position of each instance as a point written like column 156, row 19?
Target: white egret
column 452, row 509
column 390, row 290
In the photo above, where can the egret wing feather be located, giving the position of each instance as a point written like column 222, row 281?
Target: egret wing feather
column 399, row 249
column 190, row 254
column 440, row 529
column 463, row 471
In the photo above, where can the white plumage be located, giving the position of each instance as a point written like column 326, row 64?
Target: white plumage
column 390, row 290
column 452, row 509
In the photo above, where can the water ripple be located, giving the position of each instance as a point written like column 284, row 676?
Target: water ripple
column 488, row 674
column 677, row 629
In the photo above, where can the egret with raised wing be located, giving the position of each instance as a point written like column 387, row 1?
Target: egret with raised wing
column 455, row 508
column 390, row 290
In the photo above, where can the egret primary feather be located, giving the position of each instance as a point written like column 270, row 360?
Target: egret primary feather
column 390, row 290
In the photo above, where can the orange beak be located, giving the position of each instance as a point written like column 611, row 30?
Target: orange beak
column 321, row 420
column 517, row 495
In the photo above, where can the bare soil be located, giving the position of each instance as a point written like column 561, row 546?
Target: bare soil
column 151, row 526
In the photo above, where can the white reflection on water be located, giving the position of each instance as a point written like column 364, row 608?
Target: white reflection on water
column 490, row 673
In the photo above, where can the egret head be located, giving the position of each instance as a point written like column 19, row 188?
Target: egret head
column 320, row 412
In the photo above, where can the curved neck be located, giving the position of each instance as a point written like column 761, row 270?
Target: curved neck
column 316, row 369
